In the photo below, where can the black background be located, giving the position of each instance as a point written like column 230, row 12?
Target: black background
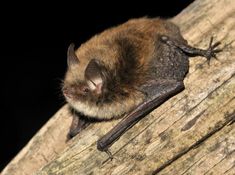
column 34, row 41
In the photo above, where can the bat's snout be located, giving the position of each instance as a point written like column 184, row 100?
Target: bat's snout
column 67, row 92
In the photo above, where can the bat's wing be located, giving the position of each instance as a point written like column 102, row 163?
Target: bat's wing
column 157, row 92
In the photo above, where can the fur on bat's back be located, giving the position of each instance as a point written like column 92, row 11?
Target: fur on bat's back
column 127, row 52
column 131, row 43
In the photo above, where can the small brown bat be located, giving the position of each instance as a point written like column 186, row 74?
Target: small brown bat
column 127, row 71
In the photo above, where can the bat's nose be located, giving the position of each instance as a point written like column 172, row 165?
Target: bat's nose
column 67, row 92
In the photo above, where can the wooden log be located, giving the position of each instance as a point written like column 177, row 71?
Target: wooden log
column 192, row 133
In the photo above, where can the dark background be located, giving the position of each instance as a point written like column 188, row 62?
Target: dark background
column 34, row 39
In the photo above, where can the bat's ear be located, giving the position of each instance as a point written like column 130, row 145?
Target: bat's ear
column 72, row 59
column 95, row 76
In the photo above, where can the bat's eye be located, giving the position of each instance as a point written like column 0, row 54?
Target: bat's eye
column 85, row 90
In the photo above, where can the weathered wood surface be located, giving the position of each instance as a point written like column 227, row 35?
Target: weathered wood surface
column 192, row 133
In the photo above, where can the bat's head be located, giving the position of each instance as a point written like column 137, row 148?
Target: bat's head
column 92, row 89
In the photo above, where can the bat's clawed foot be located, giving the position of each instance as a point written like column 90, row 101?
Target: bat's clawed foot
column 211, row 51
column 104, row 148
column 192, row 51
column 109, row 154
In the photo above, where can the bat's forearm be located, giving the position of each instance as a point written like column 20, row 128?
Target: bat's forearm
column 165, row 90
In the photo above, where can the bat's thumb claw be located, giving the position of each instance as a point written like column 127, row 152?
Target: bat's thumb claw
column 109, row 154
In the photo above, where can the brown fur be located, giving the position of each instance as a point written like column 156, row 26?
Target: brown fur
column 125, row 55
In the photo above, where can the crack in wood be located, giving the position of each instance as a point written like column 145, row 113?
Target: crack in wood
column 196, row 144
column 227, row 171
column 215, row 164
column 193, row 164
column 192, row 122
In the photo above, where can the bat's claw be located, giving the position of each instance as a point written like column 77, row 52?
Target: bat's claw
column 211, row 51
column 109, row 154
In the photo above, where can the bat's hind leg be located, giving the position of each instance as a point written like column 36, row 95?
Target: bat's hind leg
column 208, row 53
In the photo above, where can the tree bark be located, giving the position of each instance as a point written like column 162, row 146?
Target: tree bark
column 191, row 133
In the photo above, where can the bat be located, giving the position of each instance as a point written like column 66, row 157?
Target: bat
column 126, row 72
